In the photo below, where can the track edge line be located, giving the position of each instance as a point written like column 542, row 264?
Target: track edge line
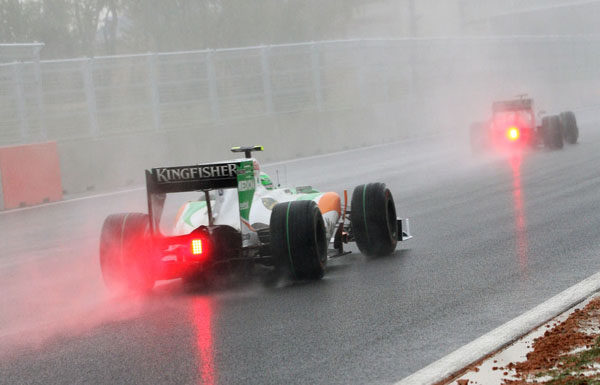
column 452, row 364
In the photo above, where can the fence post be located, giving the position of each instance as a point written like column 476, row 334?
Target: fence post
column 212, row 86
column 316, row 74
column 361, row 66
column 265, row 53
column 152, row 63
column 90, row 95
column 389, row 74
column 40, row 94
column 412, row 62
column 20, row 99
column 1, row 193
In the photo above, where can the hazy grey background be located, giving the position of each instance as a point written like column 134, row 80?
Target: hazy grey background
column 72, row 28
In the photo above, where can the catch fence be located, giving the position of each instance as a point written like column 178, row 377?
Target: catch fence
column 87, row 98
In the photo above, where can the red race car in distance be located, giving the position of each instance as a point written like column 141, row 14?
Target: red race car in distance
column 513, row 127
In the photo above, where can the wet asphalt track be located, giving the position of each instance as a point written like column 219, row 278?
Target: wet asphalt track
column 493, row 238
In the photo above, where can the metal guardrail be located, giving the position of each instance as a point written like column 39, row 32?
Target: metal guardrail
column 20, row 52
column 480, row 11
column 115, row 95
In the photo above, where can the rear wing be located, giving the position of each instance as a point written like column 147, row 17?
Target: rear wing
column 192, row 178
column 237, row 174
column 513, row 105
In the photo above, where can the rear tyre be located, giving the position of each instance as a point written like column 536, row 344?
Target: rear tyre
column 373, row 218
column 125, row 250
column 552, row 135
column 570, row 130
column 298, row 239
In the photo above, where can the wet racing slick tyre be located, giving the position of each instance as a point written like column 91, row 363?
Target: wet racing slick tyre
column 570, row 130
column 552, row 132
column 298, row 239
column 373, row 219
column 125, row 251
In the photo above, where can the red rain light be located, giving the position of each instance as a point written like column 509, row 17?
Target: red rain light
column 196, row 246
column 513, row 133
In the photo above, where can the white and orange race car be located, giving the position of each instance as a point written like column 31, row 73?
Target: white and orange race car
column 242, row 219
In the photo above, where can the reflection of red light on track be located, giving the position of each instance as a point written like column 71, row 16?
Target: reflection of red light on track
column 520, row 223
column 202, row 312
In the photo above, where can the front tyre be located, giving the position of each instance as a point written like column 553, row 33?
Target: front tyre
column 298, row 239
column 373, row 218
column 125, row 250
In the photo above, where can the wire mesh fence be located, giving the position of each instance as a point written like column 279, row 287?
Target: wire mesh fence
column 105, row 96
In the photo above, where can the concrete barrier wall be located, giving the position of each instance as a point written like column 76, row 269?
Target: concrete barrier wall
column 119, row 162
column 30, row 175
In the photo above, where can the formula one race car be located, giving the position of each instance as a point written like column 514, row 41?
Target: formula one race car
column 239, row 220
column 513, row 126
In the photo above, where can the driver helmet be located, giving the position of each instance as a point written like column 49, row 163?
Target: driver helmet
column 265, row 180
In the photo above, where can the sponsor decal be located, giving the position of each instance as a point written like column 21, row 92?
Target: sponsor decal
column 246, row 185
column 191, row 173
column 246, row 188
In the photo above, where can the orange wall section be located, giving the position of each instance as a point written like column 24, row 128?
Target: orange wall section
column 30, row 174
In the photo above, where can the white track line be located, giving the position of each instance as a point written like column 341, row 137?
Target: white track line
column 503, row 335
column 66, row 201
